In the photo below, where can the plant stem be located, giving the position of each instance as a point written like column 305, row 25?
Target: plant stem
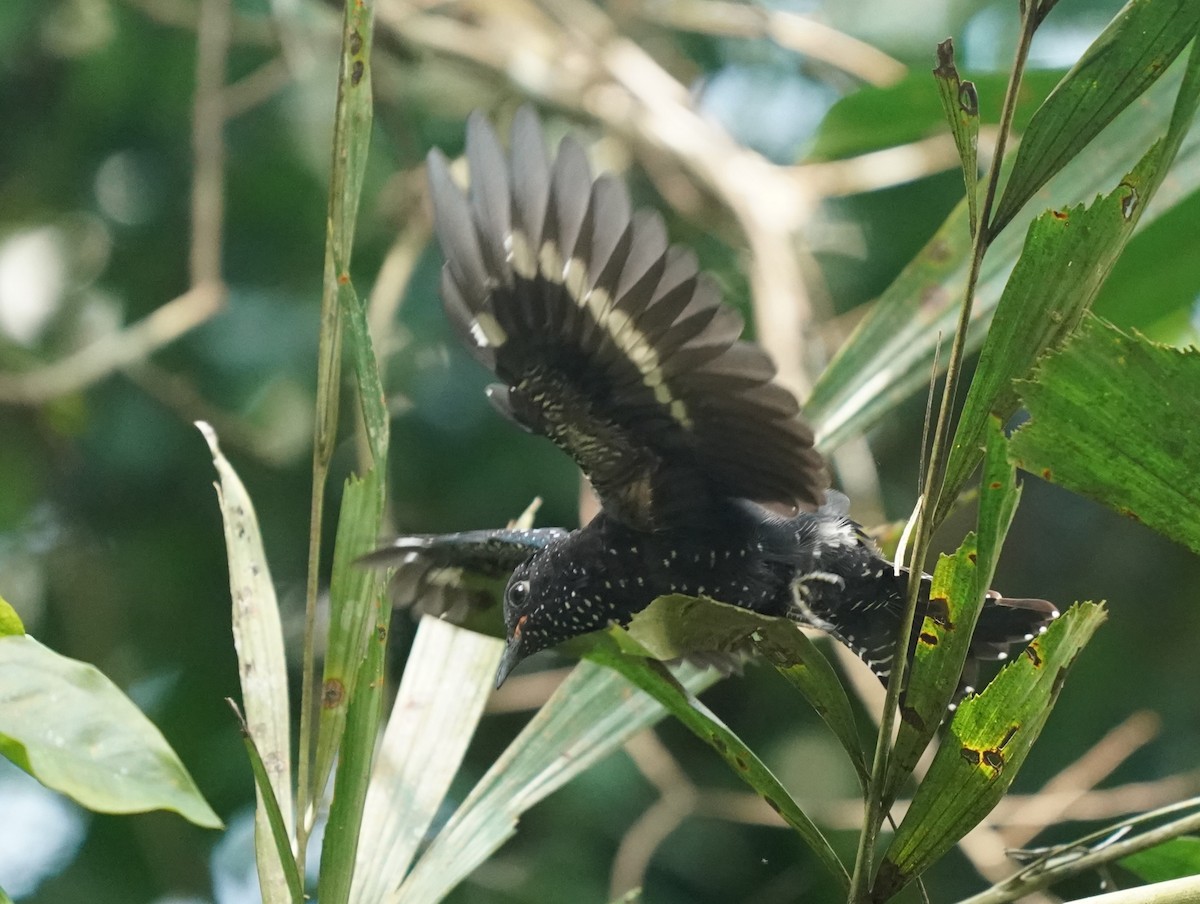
column 935, row 474
column 1033, row 878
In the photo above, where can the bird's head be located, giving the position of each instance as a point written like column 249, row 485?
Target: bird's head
column 552, row 596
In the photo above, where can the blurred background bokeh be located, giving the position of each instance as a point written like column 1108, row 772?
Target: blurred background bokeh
column 135, row 182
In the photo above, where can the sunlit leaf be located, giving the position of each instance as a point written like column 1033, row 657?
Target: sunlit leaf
column 1117, row 418
column 72, row 729
column 447, row 680
column 962, row 582
column 984, row 748
column 10, row 622
column 1130, row 55
column 262, row 664
column 591, row 714
column 890, row 355
column 1068, row 254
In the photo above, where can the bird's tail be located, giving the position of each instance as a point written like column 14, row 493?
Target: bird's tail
column 868, row 624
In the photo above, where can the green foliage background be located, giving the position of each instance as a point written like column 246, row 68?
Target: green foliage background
column 110, row 540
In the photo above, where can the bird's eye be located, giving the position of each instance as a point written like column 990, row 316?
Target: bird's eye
column 518, row 593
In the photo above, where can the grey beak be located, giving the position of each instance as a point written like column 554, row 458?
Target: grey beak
column 508, row 662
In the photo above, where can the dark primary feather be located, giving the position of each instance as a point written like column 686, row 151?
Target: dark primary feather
column 608, row 340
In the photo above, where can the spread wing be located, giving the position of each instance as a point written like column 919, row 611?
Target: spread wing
column 453, row 575
column 608, row 340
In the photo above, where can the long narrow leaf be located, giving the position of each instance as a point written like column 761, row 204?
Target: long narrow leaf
column 447, row 680
column 593, row 712
column 674, row 627
column 1068, row 255
column 890, row 354
column 279, row 825
column 352, row 593
column 1129, row 56
column 962, row 582
column 344, row 828
column 262, row 663
column 960, row 103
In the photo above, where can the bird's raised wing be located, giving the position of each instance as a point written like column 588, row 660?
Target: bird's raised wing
column 453, row 575
column 608, row 340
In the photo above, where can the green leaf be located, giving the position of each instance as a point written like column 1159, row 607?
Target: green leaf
column 262, row 664
column 872, row 118
column 72, row 729
column 1117, row 418
column 944, row 639
column 353, row 774
column 1067, row 257
column 10, row 622
column 986, row 744
column 676, row 626
column 1129, row 56
column 890, row 354
column 653, row 678
column 279, row 826
column 962, row 581
column 447, row 680
column 804, row 667
column 353, row 596
column 591, row 714
column 960, row 103
column 1170, row 860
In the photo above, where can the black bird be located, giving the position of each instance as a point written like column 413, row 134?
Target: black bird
column 610, row 342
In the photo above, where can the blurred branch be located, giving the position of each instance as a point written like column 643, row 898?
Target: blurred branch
column 886, row 168
column 164, row 325
column 186, row 14
column 208, row 145
column 790, row 31
column 256, row 87
column 677, row 800
column 114, row 352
